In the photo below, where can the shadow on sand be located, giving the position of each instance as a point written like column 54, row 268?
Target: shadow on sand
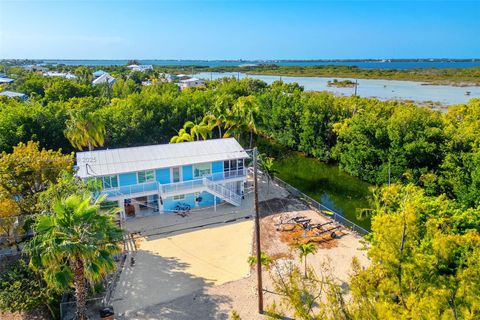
column 157, row 287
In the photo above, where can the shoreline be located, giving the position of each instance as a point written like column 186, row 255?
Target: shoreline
column 423, row 82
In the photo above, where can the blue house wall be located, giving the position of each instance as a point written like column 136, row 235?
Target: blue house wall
column 169, row 203
column 207, row 200
column 187, row 172
column 127, row 179
column 163, row 175
column 217, row 167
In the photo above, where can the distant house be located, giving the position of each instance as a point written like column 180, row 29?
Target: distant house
column 141, row 68
column 147, row 83
column 12, row 94
column 166, row 178
column 190, row 82
column 182, row 76
column 36, row 68
column 104, row 79
column 66, row 75
column 98, row 73
column 5, row 80
column 166, row 77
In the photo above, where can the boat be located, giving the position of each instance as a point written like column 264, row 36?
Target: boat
column 467, row 93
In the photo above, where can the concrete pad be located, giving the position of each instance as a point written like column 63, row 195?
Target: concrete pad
column 218, row 255
column 168, row 268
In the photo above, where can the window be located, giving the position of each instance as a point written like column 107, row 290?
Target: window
column 200, row 170
column 240, row 164
column 110, row 182
column 146, row 176
column 233, row 165
column 176, row 174
column 179, row 197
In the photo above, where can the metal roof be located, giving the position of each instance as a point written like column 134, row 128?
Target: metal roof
column 5, row 80
column 104, row 78
column 12, row 94
column 123, row 160
column 99, row 73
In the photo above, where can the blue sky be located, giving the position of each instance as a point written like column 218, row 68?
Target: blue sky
column 239, row 29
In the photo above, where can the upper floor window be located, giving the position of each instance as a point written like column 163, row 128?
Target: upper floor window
column 146, row 176
column 176, row 177
column 109, row 182
column 233, row 165
column 202, row 169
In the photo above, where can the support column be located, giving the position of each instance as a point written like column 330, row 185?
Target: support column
column 215, row 203
column 121, row 205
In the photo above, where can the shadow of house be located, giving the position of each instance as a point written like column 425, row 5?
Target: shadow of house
column 159, row 288
column 165, row 232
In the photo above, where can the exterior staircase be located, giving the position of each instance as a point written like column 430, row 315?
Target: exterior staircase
column 222, row 192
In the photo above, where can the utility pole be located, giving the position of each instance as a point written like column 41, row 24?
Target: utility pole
column 257, row 234
column 356, row 84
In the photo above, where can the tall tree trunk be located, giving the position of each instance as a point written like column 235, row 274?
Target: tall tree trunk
column 220, row 131
column 305, row 259
column 251, row 139
column 80, row 290
column 90, row 145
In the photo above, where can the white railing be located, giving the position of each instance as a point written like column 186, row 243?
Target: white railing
column 183, row 186
column 231, row 174
column 223, row 192
column 132, row 189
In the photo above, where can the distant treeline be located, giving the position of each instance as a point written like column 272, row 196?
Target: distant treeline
column 453, row 76
column 448, row 76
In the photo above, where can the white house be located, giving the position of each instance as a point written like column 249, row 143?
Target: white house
column 105, row 78
column 163, row 178
column 5, row 80
column 66, row 75
column 191, row 82
column 166, row 77
column 98, row 73
column 12, row 94
column 141, row 68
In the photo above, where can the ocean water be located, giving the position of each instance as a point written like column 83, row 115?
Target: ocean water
column 381, row 89
column 218, row 63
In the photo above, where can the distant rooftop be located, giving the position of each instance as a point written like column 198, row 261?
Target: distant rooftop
column 66, row 75
column 104, row 78
column 5, row 80
column 123, row 160
column 98, row 73
column 12, row 94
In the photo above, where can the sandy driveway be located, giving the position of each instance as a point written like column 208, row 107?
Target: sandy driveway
column 169, row 268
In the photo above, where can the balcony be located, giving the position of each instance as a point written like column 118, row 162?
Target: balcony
column 176, row 188
column 132, row 191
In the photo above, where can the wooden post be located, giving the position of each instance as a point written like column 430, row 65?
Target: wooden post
column 257, row 234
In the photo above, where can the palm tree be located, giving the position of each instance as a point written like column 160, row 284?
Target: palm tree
column 84, row 129
column 200, row 130
column 265, row 260
column 197, row 130
column 219, row 110
column 83, row 74
column 182, row 134
column 241, row 117
column 306, row 249
column 210, row 121
column 73, row 245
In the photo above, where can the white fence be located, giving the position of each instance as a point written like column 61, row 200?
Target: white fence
column 320, row 207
